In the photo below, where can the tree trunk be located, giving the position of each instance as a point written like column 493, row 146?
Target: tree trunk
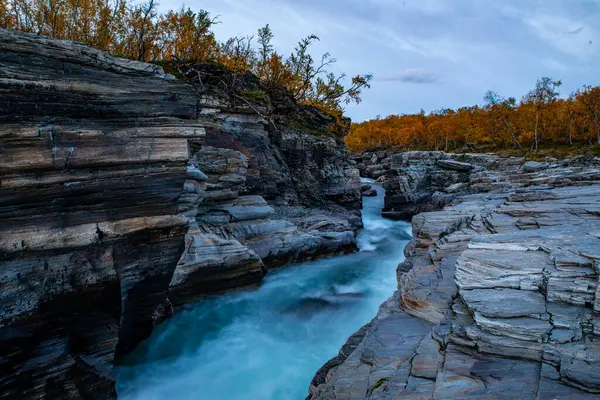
column 535, row 134
column 571, row 132
column 17, row 18
column 597, row 123
column 512, row 135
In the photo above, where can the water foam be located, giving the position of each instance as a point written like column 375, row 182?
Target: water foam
column 268, row 343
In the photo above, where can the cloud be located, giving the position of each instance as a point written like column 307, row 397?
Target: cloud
column 550, row 29
column 553, row 64
column 576, row 31
column 411, row 75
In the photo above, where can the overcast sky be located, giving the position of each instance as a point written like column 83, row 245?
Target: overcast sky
column 431, row 54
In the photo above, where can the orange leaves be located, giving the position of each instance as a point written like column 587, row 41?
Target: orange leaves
column 136, row 30
column 185, row 35
column 500, row 124
column 308, row 80
column 7, row 17
column 589, row 97
column 122, row 27
column 237, row 54
column 526, row 138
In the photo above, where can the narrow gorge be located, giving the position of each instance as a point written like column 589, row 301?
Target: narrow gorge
column 267, row 343
column 127, row 192
column 185, row 232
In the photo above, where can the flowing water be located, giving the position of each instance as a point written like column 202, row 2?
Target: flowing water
column 268, row 343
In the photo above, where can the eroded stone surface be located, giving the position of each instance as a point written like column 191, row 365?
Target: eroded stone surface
column 110, row 170
column 94, row 159
column 506, row 276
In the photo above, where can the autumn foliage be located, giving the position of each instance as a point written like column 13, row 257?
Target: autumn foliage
column 540, row 118
column 138, row 31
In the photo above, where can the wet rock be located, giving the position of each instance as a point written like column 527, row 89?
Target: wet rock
column 308, row 307
column 211, row 264
column 368, row 191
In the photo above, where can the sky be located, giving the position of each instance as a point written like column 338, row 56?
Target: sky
column 430, row 54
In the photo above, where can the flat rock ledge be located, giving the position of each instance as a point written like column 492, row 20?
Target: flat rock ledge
column 498, row 297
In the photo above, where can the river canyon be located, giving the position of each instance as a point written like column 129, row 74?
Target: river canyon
column 199, row 236
column 267, row 343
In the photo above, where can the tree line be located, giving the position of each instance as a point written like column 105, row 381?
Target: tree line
column 541, row 118
column 139, row 31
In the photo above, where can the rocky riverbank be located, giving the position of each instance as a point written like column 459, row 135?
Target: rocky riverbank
column 127, row 190
column 498, row 296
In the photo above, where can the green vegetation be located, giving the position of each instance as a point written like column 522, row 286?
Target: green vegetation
column 259, row 96
column 379, row 383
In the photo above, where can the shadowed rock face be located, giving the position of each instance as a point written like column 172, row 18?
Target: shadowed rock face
column 277, row 188
column 292, row 157
column 498, row 296
column 421, row 181
column 122, row 187
column 235, row 237
column 94, row 156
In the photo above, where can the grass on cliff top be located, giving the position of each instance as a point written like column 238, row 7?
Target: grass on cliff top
column 544, row 151
column 553, row 151
column 258, row 96
column 297, row 123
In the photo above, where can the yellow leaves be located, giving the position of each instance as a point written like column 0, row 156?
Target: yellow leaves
column 6, row 18
column 526, row 138
column 185, row 35
column 121, row 27
column 136, row 30
column 563, row 122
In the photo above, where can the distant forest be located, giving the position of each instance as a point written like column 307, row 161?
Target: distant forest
column 139, row 31
column 540, row 119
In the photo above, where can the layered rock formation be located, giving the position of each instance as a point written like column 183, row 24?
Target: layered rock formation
column 93, row 162
column 234, row 237
column 498, row 296
column 275, row 187
column 123, row 188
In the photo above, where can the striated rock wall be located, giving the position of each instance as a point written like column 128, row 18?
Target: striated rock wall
column 125, row 191
column 497, row 297
column 276, row 186
column 234, row 237
column 93, row 162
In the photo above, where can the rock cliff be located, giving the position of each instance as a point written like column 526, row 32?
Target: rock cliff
column 498, row 295
column 126, row 190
